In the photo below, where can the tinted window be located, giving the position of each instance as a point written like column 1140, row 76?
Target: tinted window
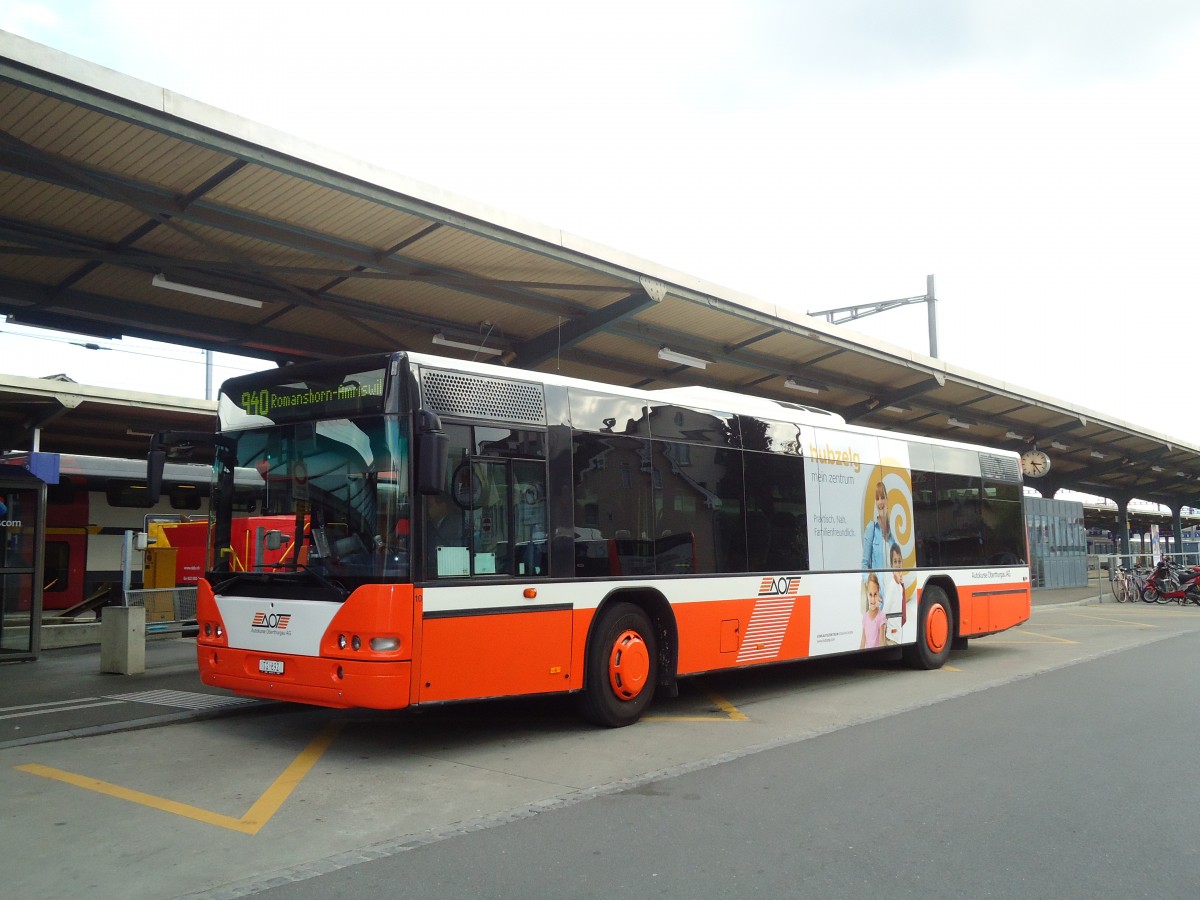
column 960, row 524
column 776, row 513
column 694, row 426
column 614, row 513
column 698, row 509
column 770, row 437
column 607, row 413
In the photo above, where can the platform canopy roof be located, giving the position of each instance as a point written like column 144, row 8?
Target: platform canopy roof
column 110, row 186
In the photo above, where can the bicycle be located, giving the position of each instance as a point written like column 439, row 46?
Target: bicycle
column 1127, row 584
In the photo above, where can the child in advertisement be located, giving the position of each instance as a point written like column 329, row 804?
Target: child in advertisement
column 893, row 598
column 874, row 620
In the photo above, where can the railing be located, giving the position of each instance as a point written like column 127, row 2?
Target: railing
column 168, row 610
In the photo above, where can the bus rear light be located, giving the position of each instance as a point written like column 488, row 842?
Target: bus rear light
column 356, row 643
column 208, row 629
column 341, row 642
column 219, row 631
column 385, row 644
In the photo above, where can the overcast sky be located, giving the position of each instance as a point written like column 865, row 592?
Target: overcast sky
column 1039, row 158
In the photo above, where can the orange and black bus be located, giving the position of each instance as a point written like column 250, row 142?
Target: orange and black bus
column 429, row 530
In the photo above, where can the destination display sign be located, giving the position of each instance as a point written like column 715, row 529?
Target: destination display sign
column 285, row 396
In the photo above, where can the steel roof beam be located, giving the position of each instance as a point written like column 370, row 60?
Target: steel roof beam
column 162, row 206
column 550, row 343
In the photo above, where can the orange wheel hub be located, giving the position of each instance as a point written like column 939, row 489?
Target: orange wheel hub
column 937, row 628
column 628, row 665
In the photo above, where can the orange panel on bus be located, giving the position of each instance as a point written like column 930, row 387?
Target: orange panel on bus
column 991, row 609
column 729, row 633
column 501, row 655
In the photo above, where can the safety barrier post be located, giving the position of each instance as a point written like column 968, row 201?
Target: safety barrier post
column 123, row 640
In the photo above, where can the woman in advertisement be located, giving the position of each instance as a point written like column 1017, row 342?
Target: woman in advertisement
column 878, row 534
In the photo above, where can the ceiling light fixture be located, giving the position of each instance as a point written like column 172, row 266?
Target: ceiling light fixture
column 442, row 341
column 1156, row 468
column 956, row 423
column 1096, row 454
column 1057, row 446
column 669, row 355
column 801, row 386
column 163, row 282
column 1013, row 436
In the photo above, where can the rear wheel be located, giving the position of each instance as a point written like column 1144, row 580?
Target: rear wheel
column 935, row 631
column 1116, row 584
column 622, row 667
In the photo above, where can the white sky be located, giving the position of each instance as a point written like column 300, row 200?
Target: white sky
column 1040, row 157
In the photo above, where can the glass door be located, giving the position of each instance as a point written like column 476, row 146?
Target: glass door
column 22, row 537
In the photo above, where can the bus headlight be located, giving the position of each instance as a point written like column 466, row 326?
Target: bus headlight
column 385, row 644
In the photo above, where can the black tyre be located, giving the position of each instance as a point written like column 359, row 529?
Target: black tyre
column 621, row 668
column 935, row 631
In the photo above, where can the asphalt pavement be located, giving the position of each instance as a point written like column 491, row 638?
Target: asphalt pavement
column 63, row 694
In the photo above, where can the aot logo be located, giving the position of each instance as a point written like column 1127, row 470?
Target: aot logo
column 779, row 586
column 271, row 620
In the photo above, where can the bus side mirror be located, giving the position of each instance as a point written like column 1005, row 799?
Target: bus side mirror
column 433, row 453
column 155, row 460
column 164, row 442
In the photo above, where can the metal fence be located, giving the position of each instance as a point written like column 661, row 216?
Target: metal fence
column 167, row 609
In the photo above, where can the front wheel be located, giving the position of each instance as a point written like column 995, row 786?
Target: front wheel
column 622, row 667
column 935, row 631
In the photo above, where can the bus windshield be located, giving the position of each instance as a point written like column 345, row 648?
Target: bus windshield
column 332, row 500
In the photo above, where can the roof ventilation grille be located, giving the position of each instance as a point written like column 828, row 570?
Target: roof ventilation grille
column 479, row 397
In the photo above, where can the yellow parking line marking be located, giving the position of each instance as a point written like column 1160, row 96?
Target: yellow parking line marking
column 1112, row 621
column 732, row 713
column 251, row 823
column 951, row 668
column 1049, row 639
column 728, row 708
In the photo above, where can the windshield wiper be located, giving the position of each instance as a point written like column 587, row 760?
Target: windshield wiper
column 335, row 586
column 263, row 577
column 240, row 576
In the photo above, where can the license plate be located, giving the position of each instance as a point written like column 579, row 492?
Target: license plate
column 270, row 666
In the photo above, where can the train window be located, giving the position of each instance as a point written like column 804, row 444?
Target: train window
column 184, row 496
column 61, row 494
column 127, row 493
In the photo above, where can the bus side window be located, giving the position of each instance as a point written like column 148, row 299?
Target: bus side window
column 529, row 519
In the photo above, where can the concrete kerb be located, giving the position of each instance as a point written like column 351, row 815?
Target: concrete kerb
column 139, row 724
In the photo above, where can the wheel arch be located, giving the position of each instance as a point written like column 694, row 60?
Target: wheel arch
column 950, row 589
column 654, row 604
